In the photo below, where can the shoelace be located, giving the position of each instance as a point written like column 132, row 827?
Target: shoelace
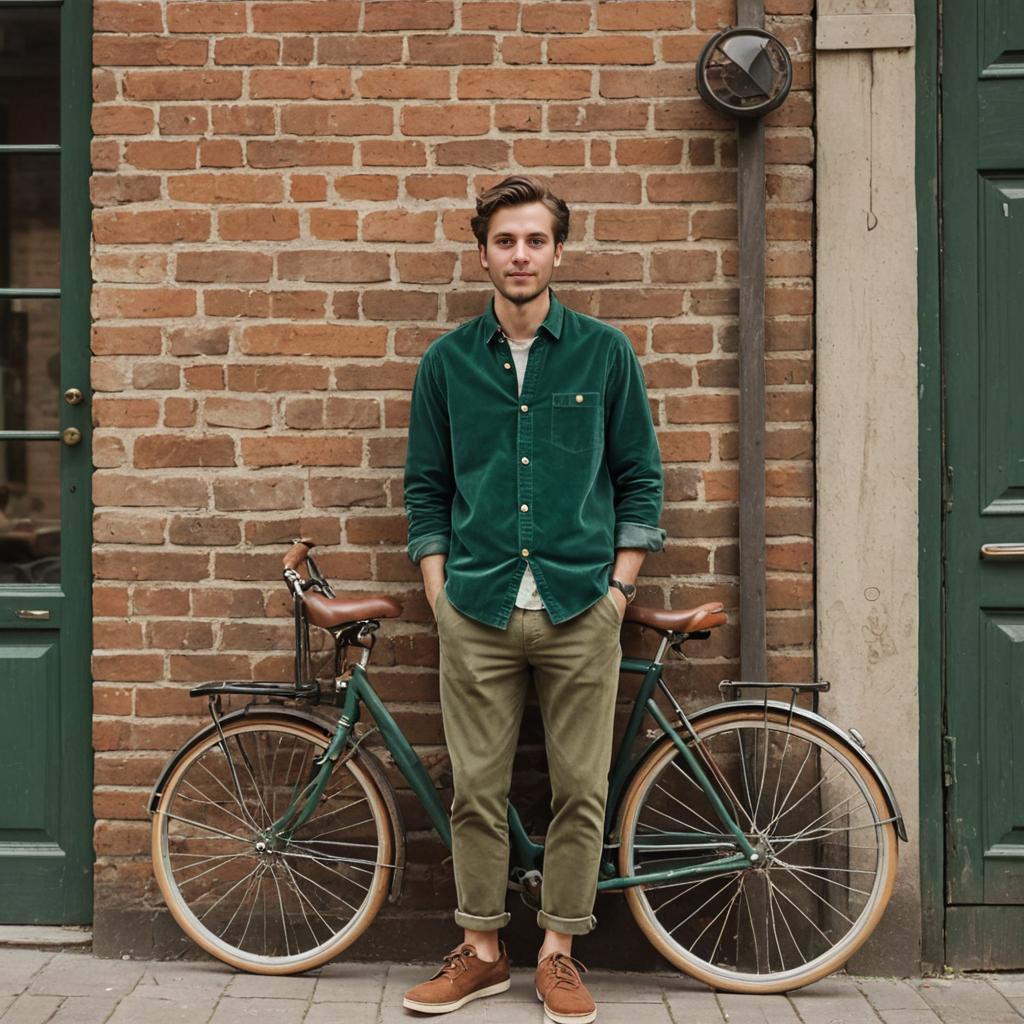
column 454, row 963
column 566, row 969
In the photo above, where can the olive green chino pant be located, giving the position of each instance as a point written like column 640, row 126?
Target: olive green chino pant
column 485, row 675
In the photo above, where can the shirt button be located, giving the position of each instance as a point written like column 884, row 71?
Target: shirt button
column 508, row 366
column 524, row 508
column 524, row 408
column 525, row 461
column 579, row 398
column 525, row 552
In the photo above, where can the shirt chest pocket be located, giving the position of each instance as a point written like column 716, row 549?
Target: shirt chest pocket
column 576, row 420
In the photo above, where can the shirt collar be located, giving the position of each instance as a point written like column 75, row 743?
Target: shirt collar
column 552, row 324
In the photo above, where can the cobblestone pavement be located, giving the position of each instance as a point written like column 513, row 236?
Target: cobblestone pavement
column 39, row 987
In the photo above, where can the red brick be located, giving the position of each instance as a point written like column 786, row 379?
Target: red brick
column 162, row 451
column 394, row 15
column 337, row 119
column 142, row 303
column 212, row 18
column 139, row 50
column 601, row 50
column 227, row 265
column 446, row 119
column 121, row 119
column 183, row 85
column 520, row 83
column 451, row 48
column 380, row 187
column 297, row 153
column 267, row 451
column 183, row 120
column 490, row 16
column 284, row 83
column 360, row 49
column 249, row 494
column 335, row 340
column 389, row 153
column 250, row 50
column 399, row 225
column 401, row 83
column 297, row 16
column 556, row 17
column 150, row 226
column 243, row 119
column 257, row 224
column 317, row 265
column 334, row 225
column 131, row 16
column 641, row 17
column 220, row 153
column 129, row 267
column 648, row 151
column 225, row 188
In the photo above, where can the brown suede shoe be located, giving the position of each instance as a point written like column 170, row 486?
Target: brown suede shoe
column 462, row 978
column 565, row 997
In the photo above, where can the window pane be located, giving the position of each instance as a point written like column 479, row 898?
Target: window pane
column 29, row 220
column 29, row 511
column 29, row 364
column 29, row 75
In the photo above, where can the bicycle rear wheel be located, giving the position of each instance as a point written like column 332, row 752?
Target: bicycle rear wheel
column 820, row 823
column 264, row 903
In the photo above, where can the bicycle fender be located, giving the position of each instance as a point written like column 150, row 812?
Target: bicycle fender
column 366, row 759
column 807, row 716
column 375, row 768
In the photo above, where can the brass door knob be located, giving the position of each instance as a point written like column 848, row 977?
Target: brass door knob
column 71, row 436
column 73, row 396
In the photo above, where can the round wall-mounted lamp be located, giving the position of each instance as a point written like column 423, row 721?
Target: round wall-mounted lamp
column 744, row 72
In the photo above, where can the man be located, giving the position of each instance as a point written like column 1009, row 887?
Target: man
column 533, row 489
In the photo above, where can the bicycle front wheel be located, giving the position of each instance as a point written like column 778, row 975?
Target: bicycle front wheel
column 820, row 823
column 266, row 903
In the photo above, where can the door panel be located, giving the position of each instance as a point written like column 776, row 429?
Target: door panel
column 983, row 369
column 45, row 577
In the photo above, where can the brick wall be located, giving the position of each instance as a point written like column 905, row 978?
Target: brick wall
column 282, row 195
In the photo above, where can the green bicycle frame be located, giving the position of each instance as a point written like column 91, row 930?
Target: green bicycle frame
column 526, row 854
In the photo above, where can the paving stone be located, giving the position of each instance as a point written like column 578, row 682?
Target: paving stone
column 260, row 986
column 629, row 1013
column 609, row 987
column 749, row 1009
column 890, row 994
column 499, row 1011
column 401, row 978
column 834, row 1000
column 30, row 1010
column 18, row 967
column 245, row 1011
column 698, row 1006
column 84, row 1010
column 187, row 1008
column 167, row 980
column 342, row 1013
column 522, row 989
column 351, row 983
column 966, row 1001
column 5, row 1001
column 74, row 974
column 30, row 936
column 925, row 1016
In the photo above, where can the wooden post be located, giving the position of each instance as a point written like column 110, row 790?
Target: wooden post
column 751, row 209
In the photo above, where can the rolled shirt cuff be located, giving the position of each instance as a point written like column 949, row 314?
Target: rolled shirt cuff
column 434, row 544
column 636, row 535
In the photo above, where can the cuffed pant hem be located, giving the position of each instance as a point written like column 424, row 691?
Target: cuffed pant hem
column 567, row 925
column 482, row 924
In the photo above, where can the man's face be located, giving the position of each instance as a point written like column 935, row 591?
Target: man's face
column 521, row 254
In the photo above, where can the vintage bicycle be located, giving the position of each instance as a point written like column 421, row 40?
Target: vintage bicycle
column 755, row 842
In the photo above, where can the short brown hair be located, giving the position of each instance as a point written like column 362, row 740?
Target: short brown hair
column 518, row 190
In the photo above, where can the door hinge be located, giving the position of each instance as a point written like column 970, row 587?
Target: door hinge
column 947, row 491
column 948, row 761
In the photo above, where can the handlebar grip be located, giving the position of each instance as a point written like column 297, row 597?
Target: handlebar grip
column 297, row 553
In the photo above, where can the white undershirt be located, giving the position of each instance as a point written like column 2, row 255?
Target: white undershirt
column 528, row 596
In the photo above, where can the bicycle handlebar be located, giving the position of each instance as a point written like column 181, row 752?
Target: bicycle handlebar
column 298, row 553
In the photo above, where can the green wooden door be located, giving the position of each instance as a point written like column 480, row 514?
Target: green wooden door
column 45, row 577
column 983, row 332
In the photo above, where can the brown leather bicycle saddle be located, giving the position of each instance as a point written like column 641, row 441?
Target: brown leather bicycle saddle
column 328, row 612
column 679, row 620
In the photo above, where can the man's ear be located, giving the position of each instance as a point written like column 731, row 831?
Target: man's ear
column 558, row 252
column 483, row 258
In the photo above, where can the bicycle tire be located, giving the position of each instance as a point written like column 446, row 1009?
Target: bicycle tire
column 869, row 852
column 291, row 914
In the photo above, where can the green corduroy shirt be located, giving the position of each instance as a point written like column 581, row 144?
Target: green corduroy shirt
column 556, row 477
